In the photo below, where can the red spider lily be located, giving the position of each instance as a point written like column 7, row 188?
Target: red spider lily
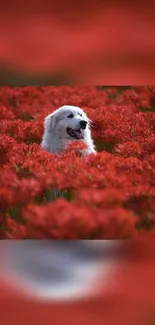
column 15, row 191
column 5, row 113
column 70, row 221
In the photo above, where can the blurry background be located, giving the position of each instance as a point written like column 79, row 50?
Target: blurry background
column 96, row 42
column 88, row 282
column 59, row 270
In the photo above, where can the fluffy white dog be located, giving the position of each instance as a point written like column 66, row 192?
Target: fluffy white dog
column 64, row 125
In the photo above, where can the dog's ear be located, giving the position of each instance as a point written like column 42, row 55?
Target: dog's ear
column 49, row 122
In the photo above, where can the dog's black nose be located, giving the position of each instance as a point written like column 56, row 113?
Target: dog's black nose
column 83, row 124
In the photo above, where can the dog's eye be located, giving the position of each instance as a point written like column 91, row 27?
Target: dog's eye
column 71, row 115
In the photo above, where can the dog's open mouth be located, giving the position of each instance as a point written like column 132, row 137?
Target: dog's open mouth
column 77, row 134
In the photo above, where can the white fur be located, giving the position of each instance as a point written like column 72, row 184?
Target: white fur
column 56, row 138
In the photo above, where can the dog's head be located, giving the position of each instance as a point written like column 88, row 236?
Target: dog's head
column 67, row 122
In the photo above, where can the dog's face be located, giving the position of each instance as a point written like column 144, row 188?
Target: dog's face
column 68, row 122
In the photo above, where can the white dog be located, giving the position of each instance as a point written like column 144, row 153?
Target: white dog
column 64, row 125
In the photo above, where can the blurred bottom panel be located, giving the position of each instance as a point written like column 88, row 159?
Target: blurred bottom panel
column 77, row 282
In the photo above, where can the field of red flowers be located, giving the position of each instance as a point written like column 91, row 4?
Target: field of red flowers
column 110, row 195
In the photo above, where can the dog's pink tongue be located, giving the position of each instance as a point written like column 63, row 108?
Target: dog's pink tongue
column 79, row 134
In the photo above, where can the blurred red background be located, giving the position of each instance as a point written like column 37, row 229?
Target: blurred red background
column 129, row 300
column 77, row 43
